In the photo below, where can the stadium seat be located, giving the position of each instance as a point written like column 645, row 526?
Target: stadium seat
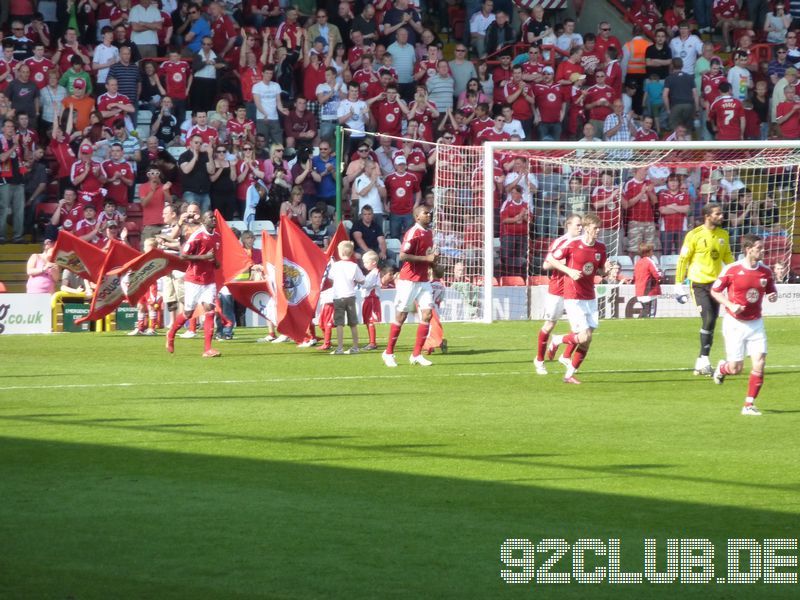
column 512, row 281
column 669, row 264
column 143, row 117
column 237, row 225
column 259, row 226
column 176, row 151
column 393, row 245
column 44, row 210
column 2, row 288
column 134, row 210
column 495, row 282
column 132, row 227
column 538, row 280
column 348, row 224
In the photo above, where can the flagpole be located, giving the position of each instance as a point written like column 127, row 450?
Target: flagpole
column 338, row 173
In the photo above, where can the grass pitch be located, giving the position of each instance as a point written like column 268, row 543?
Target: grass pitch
column 275, row 472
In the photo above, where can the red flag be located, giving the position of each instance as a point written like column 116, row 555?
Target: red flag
column 145, row 269
column 269, row 248
column 233, row 258
column 299, row 268
column 108, row 294
column 340, row 235
column 252, row 294
column 82, row 258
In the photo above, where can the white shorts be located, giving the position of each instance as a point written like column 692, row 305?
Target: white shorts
column 743, row 338
column 194, row 294
column 411, row 293
column 582, row 314
column 553, row 308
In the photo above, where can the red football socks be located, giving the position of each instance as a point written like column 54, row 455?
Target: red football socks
column 327, row 332
column 176, row 325
column 422, row 334
column 208, row 329
column 754, row 385
column 578, row 356
column 542, row 345
column 371, row 332
column 394, row 333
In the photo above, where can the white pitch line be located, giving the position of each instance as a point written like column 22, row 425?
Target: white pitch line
column 334, row 378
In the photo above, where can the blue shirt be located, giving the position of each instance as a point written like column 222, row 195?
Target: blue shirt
column 654, row 90
column 327, row 187
column 200, row 28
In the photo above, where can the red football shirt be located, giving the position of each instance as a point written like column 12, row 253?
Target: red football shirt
column 746, row 287
column 642, row 211
column 39, row 69
column 726, row 112
column 201, row 272
column 608, row 212
column 105, row 99
column 673, row 222
column 176, row 78
column 209, row 134
column 586, row 259
column 556, row 285
column 790, row 129
column 389, row 117
column 523, row 110
column 549, row 100
column 401, row 190
column 509, row 210
column 417, row 241
column 595, row 93
column 117, row 190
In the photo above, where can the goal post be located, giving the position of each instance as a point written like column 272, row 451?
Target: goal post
column 756, row 183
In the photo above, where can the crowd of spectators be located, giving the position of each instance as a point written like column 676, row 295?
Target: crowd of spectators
column 235, row 107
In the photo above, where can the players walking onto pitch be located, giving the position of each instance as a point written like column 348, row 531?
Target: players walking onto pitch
column 201, row 251
column 581, row 260
column 741, row 289
column 413, row 286
column 705, row 249
column 554, row 302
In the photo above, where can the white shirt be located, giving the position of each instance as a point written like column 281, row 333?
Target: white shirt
column 514, row 127
column 328, row 110
column 479, row 23
column 373, row 197
column 687, row 50
column 345, row 275
column 102, row 55
column 740, row 80
column 140, row 14
column 356, row 122
column 268, row 95
column 527, row 183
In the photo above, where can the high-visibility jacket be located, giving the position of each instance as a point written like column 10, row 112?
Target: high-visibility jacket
column 636, row 49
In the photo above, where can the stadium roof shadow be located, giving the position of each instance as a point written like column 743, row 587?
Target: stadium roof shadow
column 86, row 520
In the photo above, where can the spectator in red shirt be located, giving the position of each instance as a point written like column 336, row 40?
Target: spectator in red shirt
column 404, row 194
column 598, row 101
column 519, row 96
column 788, row 115
column 550, row 107
column 514, row 224
column 299, row 126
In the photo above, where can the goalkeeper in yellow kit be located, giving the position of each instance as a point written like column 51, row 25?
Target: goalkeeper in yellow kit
column 704, row 252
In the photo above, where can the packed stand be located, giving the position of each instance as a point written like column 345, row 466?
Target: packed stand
column 132, row 107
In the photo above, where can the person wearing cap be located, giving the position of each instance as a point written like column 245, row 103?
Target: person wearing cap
column 550, row 108
column 404, row 194
column 325, row 31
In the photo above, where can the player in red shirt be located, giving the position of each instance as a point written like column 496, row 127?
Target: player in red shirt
column 726, row 115
column 201, row 250
column 583, row 260
column 414, row 293
column 746, row 282
column 554, row 302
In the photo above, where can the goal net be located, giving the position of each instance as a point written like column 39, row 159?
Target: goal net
column 498, row 208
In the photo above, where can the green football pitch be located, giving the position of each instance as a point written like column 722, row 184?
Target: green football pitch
column 276, row 472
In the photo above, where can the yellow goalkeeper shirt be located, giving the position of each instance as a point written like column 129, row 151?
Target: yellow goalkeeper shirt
column 703, row 253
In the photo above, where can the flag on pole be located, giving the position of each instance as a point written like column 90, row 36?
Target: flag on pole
column 82, row 258
column 109, row 294
column 299, row 269
column 233, row 258
column 340, row 235
column 145, row 269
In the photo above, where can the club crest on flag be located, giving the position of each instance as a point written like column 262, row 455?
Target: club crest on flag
column 260, row 300
column 69, row 260
column 296, row 285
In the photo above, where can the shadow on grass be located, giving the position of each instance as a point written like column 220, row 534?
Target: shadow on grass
column 131, row 523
